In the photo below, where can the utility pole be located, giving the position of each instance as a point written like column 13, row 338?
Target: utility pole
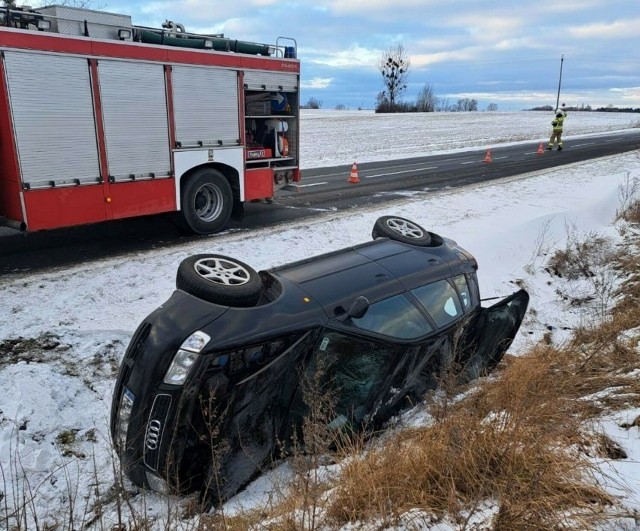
column 559, row 81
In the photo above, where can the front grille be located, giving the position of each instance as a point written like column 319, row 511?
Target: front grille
column 155, row 430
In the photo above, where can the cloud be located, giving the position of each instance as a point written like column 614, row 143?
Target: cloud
column 602, row 30
column 424, row 60
column 516, row 44
column 491, row 27
column 203, row 11
column 573, row 6
column 629, row 95
column 317, row 83
column 393, row 8
column 354, row 56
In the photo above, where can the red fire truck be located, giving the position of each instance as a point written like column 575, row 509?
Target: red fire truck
column 102, row 120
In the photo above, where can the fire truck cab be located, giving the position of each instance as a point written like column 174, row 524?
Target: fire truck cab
column 102, row 120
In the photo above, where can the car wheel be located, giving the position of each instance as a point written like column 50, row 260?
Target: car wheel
column 219, row 279
column 207, row 201
column 401, row 230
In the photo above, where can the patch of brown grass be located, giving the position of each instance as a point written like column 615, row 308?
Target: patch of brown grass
column 510, row 441
column 578, row 258
column 629, row 197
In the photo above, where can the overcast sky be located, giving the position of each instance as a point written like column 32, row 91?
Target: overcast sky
column 505, row 52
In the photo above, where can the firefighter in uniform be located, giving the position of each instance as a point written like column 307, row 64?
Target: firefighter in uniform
column 557, row 125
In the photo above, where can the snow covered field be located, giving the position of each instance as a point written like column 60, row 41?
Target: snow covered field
column 63, row 333
column 340, row 137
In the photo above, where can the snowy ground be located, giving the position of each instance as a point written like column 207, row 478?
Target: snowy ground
column 63, row 333
column 341, row 137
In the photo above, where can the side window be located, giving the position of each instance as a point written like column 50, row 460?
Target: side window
column 463, row 289
column 441, row 301
column 395, row 317
column 247, row 358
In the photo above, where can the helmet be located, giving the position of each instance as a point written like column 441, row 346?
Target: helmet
column 559, row 115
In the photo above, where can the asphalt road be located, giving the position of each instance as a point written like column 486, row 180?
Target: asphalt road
column 322, row 189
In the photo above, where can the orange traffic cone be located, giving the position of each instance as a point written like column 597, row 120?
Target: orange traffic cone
column 487, row 157
column 540, row 149
column 353, row 178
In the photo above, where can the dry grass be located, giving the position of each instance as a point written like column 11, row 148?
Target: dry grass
column 510, row 440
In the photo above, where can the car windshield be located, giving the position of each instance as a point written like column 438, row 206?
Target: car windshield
column 394, row 317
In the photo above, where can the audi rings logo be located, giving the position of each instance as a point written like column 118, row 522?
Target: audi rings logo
column 153, row 435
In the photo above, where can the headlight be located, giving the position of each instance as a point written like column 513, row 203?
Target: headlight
column 185, row 357
column 124, row 416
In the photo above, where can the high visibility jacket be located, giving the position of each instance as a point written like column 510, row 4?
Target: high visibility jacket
column 557, row 123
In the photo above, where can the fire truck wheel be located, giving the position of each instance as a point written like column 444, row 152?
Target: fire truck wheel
column 207, row 201
column 219, row 279
column 401, row 230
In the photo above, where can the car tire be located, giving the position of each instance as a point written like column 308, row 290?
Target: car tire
column 401, row 230
column 207, row 201
column 219, row 279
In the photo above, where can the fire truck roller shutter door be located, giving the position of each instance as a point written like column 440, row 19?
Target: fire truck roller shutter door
column 207, row 201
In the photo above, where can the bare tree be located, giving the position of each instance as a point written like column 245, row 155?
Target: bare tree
column 85, row 4
column 394, row 67
column 492, row 107
column 443, row 104
column 313, row 103
column 382, row 102
column 466, row 104
column 427, row 100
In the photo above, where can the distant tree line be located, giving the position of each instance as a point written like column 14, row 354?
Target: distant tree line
column 427, row 101
column 312, row 103
column 587, row 108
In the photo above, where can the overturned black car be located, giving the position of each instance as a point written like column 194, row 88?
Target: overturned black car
column 384, row 319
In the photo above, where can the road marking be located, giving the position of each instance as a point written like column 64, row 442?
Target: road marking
column 316, row 209
column 469, row 162
column 399, row 172
column 586, row 144
column 311, row 184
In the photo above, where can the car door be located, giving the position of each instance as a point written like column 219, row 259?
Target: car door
column 489, row 334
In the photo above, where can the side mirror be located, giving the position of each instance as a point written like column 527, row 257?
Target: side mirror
column 358, row 307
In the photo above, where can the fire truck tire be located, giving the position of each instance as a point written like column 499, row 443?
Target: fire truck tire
column 219, row 279
column 207, row 201
column 401, row 230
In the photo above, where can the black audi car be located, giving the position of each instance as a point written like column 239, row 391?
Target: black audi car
column 211, row 383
